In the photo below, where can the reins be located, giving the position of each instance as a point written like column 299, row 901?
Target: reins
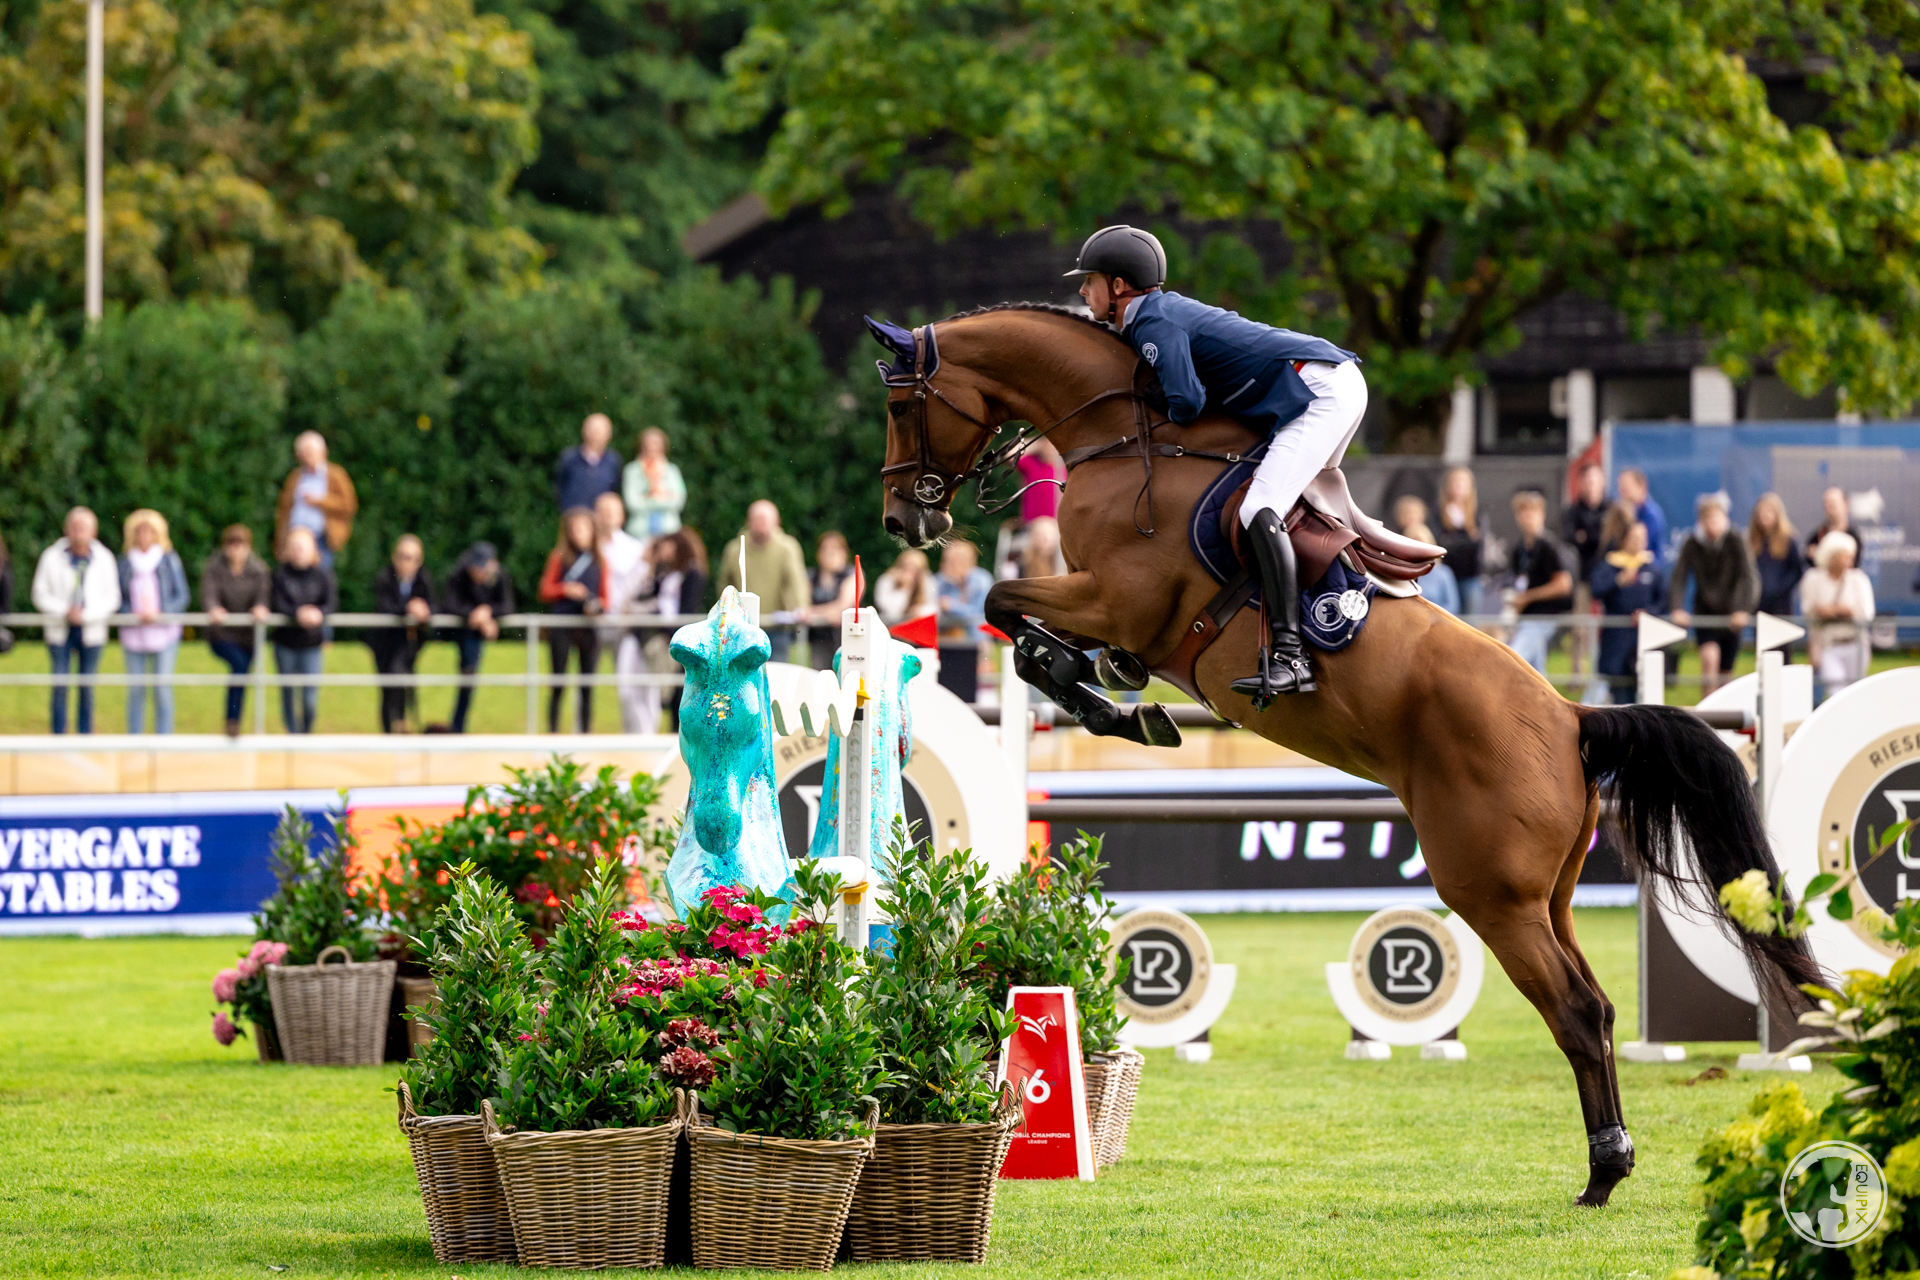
column 935, row 484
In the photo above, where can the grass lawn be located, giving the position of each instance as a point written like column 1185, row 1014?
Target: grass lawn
column 136, row 1145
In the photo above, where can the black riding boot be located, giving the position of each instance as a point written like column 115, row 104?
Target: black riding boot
column 1284, row 667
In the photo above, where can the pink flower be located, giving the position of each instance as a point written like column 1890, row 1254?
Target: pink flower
column 676, row 928
column 721, row 894
column 524, row 1036
column 688, row 1067
column 742, row 913
column 226, row 984
column 800, row 926
column 759, row 978
column 247, row 968
column 265, row 952
column 223, row 1029
column 686, row 1031
column 632, row 921
column 533, row 891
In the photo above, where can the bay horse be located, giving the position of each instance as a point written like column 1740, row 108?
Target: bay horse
column 1499, row 773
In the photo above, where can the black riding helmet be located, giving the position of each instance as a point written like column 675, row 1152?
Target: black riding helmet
column 1128, row 252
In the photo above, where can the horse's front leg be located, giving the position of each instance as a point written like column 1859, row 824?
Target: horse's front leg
column 1033, row 611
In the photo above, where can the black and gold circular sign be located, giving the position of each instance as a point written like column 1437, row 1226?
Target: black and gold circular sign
column 1170, row 963
column 1405, row 963
column 1877, row 789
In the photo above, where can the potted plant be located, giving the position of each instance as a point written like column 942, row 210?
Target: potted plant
column 928, row 1190
column 583, row 1126
column 485, row 971
column 1050, row 930
column 792, row 1101
column 244, row 987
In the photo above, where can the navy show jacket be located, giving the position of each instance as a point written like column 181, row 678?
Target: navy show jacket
column 1212, row 358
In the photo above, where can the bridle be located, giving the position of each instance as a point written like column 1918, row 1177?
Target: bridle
column 934, row 484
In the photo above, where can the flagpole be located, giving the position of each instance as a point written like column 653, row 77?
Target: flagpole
column 96, row 74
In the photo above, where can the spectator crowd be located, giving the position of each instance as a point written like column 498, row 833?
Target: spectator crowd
column 621, row 554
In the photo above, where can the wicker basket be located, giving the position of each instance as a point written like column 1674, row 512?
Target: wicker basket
column 459, row 1185
column 265, row 1043
column 778, row 1203
column 927, row 1191
column 587, row 1199
column 1103, row 1073
column 421, row 992
column 332, row 1015
column 1123, row 1090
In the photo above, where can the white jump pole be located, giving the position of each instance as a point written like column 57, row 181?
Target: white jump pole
column 1016, row 721
column 1771, row 634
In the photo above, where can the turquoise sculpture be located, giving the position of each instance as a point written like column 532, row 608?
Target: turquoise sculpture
column 891, row 738
column 732, row 834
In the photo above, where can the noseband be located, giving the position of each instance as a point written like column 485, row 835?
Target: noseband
column 935, row 484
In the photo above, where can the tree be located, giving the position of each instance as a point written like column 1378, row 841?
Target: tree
column 1439, row 169
column 271, row 152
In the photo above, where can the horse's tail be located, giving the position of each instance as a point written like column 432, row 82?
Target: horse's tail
column 1676, row 786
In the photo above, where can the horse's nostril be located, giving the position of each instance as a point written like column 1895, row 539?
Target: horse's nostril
column 895, row 527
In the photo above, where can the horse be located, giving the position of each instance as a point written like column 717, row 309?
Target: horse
column 732, row 834
column 1500, row 774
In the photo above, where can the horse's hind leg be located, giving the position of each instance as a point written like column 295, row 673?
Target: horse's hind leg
column 1562, row 915
column 1061, row 670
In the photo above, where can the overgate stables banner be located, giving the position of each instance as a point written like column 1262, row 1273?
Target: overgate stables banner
column 1326, row 865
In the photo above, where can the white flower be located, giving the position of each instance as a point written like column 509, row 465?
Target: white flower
column 1749, row 902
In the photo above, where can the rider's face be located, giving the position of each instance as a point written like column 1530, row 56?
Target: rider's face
column 1097, row 291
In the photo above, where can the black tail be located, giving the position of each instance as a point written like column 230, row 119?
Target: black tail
column 1675, row 786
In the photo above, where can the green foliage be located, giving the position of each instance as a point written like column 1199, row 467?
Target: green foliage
column 40, row 436
column 182, row 407
column 484, row 969
column 1048, row 928
column 1438, row 169
column 803, row 1060
column 936, row 1021
column 581, row 1064
column 528, row 369
column 756, row 402
column 317, row 904
column 539, row 837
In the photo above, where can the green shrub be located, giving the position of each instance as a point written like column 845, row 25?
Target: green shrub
column 1049, row 929
column 803, row 1059
column 581, row 1064
column 936, row 1022
column 40, row 436
column 183, row 404
column 539, row 837
column 317, row 904
column 484, row 969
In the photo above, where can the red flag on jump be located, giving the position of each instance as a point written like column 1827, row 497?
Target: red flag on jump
column 921, row 633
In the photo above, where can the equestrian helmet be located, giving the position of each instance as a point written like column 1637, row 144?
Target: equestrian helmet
column 1128, row 252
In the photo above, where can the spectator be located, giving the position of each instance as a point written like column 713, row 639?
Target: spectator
column 832, row 583
column 405, row 589
column 77, row 583
column 1838, row 601
column 624, row 574
column 573, row 586
column 1833, row 505
column 234, row 580
column 588, row 469
column 318, row 497
column 152, row 582
column 1408, row 511
column 1626, row 582
column 1460, row 534
column 1632, row 488
column 1777, row 558
column 6, row 596
column 1043, row 474
column 1438, row 584
column 1619, row 521
column 1042, row 557
column 1581, row 526
column 1724, row 582
column 962, row 592
column 656, row 492
column 1542, row 588
column 776, row 571
column 905, row 591
column 305, row 590
column 679, row 588
column 479, row 591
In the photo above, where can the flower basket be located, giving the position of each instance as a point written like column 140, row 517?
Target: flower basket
column 926, row 1193
column 332, row 1015
column 1113, row 1086
column 778, row 1203
column 421, row 992
column 266, row 1043
column 467, row 1214
column 587, row 1198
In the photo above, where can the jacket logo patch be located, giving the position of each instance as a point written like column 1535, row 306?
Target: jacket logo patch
column 1151, row 352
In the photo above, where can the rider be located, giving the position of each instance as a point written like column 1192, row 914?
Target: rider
column 1301, row 392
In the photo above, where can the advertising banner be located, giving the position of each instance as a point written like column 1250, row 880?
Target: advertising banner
column 1042, row 1058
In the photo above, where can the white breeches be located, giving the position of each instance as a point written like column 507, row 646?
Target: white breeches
column 1312, row 442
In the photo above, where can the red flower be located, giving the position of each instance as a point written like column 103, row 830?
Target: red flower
column 721, row 894
column 759, row 979
column 632, row 921
column 688, row 1067
column 684, row 1031
column 533, row 891
column 800, row 926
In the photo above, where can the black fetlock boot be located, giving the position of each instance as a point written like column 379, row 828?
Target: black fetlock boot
column 1284, row 666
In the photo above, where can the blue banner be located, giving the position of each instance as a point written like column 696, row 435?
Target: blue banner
column 1877, row 465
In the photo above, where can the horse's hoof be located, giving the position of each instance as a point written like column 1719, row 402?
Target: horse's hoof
column 1118, row 669
column 1148, row 725
column 1609, row 1162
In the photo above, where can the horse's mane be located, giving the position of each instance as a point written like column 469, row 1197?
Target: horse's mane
column 1049, row 308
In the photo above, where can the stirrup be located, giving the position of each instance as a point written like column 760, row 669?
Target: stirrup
column 1280, row 673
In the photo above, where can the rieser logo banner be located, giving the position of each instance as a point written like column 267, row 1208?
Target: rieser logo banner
column 1042, row 1059
column 1169, row 964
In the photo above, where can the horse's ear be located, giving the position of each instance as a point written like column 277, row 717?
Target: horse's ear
column 688, row 656
column 891, row 336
